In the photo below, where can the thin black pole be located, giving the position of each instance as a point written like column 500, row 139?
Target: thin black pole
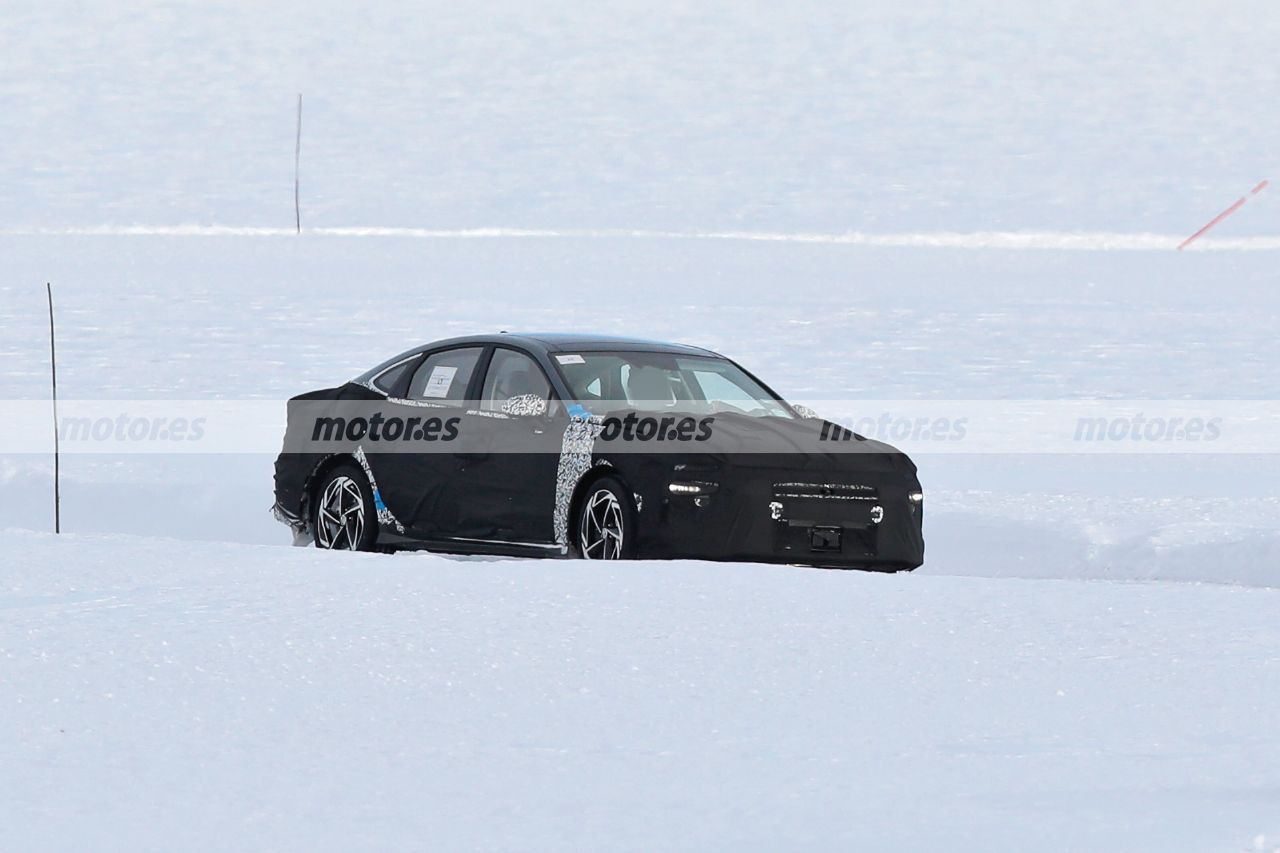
column 53, row 366
column 297, row 160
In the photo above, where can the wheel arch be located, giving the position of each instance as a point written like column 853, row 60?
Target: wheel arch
column 598, row 472
column 585, row 482
column 315, row 478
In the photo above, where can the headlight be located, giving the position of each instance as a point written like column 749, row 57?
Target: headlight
column 692, row 488
column 916, row 497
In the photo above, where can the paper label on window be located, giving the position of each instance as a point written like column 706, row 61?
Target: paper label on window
column 439, row 381
column 571, row 359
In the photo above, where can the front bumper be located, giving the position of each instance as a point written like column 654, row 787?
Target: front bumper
column 846, row 524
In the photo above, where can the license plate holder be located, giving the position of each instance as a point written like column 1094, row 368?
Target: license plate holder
column 826, row 538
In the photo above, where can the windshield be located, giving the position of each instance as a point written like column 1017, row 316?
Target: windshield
column 606, row 382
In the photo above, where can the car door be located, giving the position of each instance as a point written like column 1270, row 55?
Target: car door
column 418, row 475
column 508, row 493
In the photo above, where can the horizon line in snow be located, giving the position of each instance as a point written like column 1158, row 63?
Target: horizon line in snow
column 1021, row 240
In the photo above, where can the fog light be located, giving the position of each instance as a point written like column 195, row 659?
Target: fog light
column 690, row 488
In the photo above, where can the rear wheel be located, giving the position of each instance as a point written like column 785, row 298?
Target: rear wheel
column 605, row 528
column 344, row 518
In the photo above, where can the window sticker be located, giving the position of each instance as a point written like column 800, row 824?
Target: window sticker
column 439, row 382
column 572, row 358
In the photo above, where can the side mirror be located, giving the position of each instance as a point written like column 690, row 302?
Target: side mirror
column 525, row 406
column 805, row 412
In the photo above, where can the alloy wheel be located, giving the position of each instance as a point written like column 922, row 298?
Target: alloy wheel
column 601, row 529
column 340, row 516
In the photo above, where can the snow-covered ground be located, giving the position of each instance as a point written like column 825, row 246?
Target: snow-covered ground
column 876, row 115
column 878, row 201
column 160, row 696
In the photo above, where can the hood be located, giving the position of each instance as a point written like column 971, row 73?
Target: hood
column 787, row 444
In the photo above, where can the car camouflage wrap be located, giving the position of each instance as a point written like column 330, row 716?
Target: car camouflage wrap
column 491, row 444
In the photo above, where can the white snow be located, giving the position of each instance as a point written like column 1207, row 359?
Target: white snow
column 1016, row 240
column 235, row 697
column 871, row 201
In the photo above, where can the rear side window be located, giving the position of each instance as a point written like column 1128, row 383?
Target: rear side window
column 444, row 376
column 511, row 374
column 390, row 380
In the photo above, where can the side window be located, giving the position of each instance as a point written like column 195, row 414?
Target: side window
column 389, row 380
column 587, row 380
column 444, row 376
column 659, row 387
column 511, row 374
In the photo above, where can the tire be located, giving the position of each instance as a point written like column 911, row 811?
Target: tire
column 605, row 526
column 343, row 517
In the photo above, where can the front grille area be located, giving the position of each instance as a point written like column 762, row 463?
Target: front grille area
column 836, row 519
column 826, row 491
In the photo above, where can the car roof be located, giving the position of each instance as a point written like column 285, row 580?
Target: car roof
column 574, row 342
column 547, row 342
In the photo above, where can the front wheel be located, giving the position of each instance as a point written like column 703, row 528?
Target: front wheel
column 606, row 522
column 344, row 518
